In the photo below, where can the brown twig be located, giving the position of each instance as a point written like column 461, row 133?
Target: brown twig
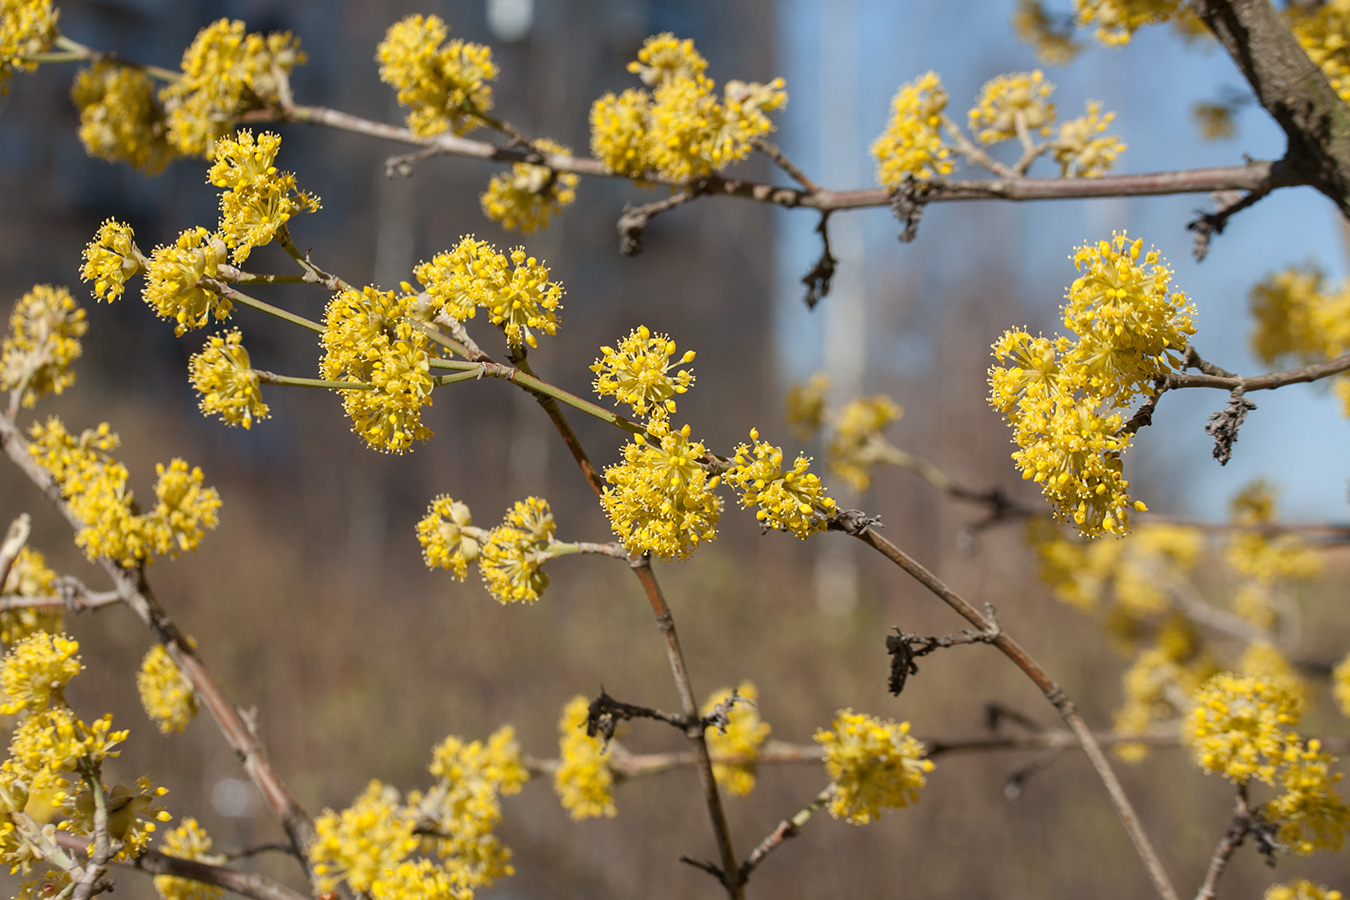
column 1237, row 832
column 779, row 158
column 15, row 538
column 786, row 829
column 1048, row 686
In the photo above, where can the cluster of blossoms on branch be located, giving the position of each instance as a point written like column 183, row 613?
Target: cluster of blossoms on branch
column 1064, row 397
column 51, row 780
column 680, row 129
column 855, row 444
column 1010, row 107
column 1299, row 317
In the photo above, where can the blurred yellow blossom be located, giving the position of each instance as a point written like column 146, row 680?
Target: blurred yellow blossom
column 1053, row 41
column 583, row 781
column 1301, row 889
column 45, row 328
column 806, row 406
column 742, row 736
column 1242, row 727
column 874, row 764
column 1310, row 813
column 446, row 87
column 912, row 144
column 356, row 844
column 27, row 27
column 165, row 692
column 188, row 841
column 1013, row 106
column 1117, row 20
column 29, row 577
column 525, row 198
column 857, row 443
column 120, row 118
column 1082, row 148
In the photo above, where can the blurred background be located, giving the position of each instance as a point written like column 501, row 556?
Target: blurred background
column 311, row 602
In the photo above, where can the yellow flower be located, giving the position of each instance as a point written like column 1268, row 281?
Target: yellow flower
column 1011, row 106
column 110, row 259
column 664, row 57
column 619, row 132
column 357, row 844
column 912, row 142
column 638, row 372
column 1053, row 41
column 515, row 292
column 857, row 444
column 228, row 385
column 44, row 339
column 29, row 577
column 120, row 119
column 1301, row 889
column 447, row 537
column 874, row 764
column 165, row 692
column 446, row 87
column 662, row 499
column 188, row 841
column 742, row 736
column 1321, row 31
column 1311, row 814
column 370, row 340
column 418, row 879
column 524, row 199
column 27, row 27
column 584, row 781
column 1340, row 684
column 183, row 508
column 806, row 406
column 132, row 813
column 465, row 807
column 172, row 277
column 1118, row 20
column 35, row 670
column 792, row 501
column 1241, row 727
column 1083, row 148
column 258, row 200
column 509, row 561
column 225, row 74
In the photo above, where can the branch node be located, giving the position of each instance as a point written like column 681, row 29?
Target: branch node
column 1223, row 425
column 853, row 521
column 907, row 202
column 905, row 648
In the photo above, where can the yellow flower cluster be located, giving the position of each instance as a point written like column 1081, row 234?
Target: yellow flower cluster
column 1264, row 660
column 1301, row 889
column 1159, row 683
column 223, row 375
column 515, row 291
column 874, row 763
column 35, row 671
column 48, row 743
column 1053, row 41
column 1062, row 397
column 45, row 328
column 856, row 443
column 638, row 373
column 742, row 737
column 1242, row 727
column 1298, row 317
column 95, row 487
column 662, row 499
column 1340, row 684
column 1311, row 814
column 257, row 199
column 29, row 577
column 463, row 807
column 370, row 342
column 172, row 280
column 165, row 692
column 1116, row 21
column 225, row 74
column 446, row 86
column 120, row 118
column 357, row 844
column 1083, row 149
column 912, row 144
column 792, row 501
column 188, row 841
column 1013, row 106
column 524, row 198
column 110, row 259
column 584, row 781
column 1321, row 30
column 27, row 27
column 680, row 129
column 806, row 406
column 447, row 537
column 1264, row 559
column 511, row 554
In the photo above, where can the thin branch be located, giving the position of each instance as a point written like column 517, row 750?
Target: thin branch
column 818, row 279
column 779, row 158
column 1238, row 829
column 786, row 829
column 15, row 538
column 1051, row 689
column 633, row 223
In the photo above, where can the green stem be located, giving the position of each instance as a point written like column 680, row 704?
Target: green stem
column 457, row 365
column 445, row 341
column 534, row 385
column 77, row 52
column 231, row 294
column 458, row 377
column 273, row 378
column 567, row 549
